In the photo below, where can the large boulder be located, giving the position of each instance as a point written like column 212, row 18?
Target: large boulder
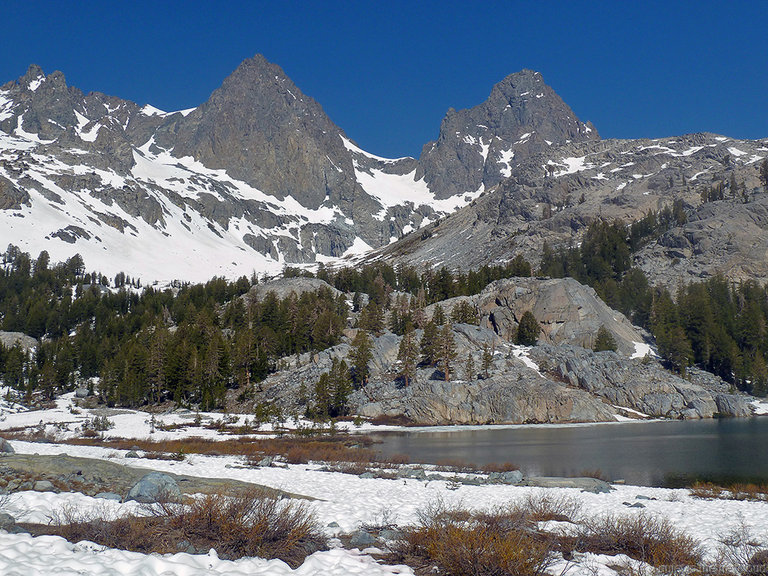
column 568, row 312
column 594, row 485
column 11, row 339
column 517, row 396
column 5, row 447
column 732, row 405
column 642, row 385
column 284, row 287
column 155, row 487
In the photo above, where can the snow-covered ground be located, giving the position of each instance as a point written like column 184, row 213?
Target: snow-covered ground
column 342, row 500
column 345, row 499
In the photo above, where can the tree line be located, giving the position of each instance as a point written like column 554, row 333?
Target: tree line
column 714, row 324
column 188, row 344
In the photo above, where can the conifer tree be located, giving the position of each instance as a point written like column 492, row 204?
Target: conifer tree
column 487, row 360
column 407, row 354
column 528, row 329
column 429, row 344
column 446, row 350
column 604, row 340
column 360, row 355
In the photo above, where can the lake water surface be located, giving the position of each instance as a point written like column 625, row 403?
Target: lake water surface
column 666, row 453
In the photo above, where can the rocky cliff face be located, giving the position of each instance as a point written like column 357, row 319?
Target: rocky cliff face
column 545, row 383
column 554, row 195
column 261, row 129
column 255, row 177
column 480, row 146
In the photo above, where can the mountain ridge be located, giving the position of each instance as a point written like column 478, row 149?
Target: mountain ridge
column 259, row 177
column 255, row 178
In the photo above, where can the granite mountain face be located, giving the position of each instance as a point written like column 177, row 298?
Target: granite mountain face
column 553, row 196
column 522, row 117
column 256, row 177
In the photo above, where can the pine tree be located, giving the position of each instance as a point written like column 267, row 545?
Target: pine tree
column 463, row 313
column 408, row 355
column 469, row 369
column 528, row 330
column 429, row 344
column 446, row 350
column 360, row 355
column 764, row 173
column 604, row 340
column 372, row 318
column 487, row 360
column 438, row 316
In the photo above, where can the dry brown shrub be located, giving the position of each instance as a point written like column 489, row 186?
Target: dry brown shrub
column 594, row 473
column 462, row 543
column 643, row 537
column 496, row 467
column 546, row 506
column 250, row 523
column 738, row 491
column 705, row 490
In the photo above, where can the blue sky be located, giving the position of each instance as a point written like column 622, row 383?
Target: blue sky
column 386, row 72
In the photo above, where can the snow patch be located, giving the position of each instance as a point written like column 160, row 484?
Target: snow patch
column 35, row 84
column 736, row 152
column 571, row 165
column 150, row 110
column 642, row 350
column 505, row 157
column 353, row 148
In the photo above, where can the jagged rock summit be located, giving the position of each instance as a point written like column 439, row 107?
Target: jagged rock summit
column 262, row 129
column 522, row 117
column 256, row 177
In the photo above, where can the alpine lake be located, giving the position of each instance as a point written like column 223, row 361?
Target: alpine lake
column 648, row 453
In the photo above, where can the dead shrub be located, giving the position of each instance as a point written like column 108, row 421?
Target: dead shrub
column 495, row 467
column 460, row 542
column 546, row 506
column 250, row 523
column 705, row 490
column 594, row 473
column 736, row 491
column 739, row 552
column 643, row 537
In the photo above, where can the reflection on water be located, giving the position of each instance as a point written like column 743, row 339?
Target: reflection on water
column 644, row 453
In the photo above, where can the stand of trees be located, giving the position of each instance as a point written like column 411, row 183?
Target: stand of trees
column 188, row 344
column 719, row 326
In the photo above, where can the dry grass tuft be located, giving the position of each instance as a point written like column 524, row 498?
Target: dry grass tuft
column 546, row 506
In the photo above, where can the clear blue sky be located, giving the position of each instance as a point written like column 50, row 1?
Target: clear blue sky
column 386, row 72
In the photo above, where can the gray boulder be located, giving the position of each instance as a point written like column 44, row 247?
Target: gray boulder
column 11, row 339
column 43, row 486
column 155, row 487
column 362, row 539
column 509, row 477
column 568, row 312
column 5, row 447
column 81, row 393
column 6, row 521
column 594, row 485
column 732, row 405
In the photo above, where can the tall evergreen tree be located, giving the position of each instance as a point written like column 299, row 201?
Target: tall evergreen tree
column 360, row 355
column 528, row 329
column 408, row 355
